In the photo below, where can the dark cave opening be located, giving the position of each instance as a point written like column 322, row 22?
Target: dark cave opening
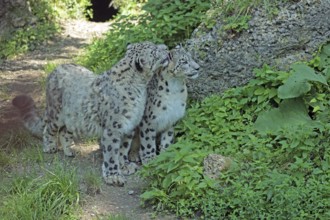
column 102, row 11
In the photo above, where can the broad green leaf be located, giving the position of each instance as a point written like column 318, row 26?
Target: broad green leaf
column 326, row 71
column 298, row 85
column 326, row 49
column 272, row 93
column 293, row 88
column 259, row 91
column 305, row 72
column 190, row 159
column 291, row 112
column 167, row 181
column 172, row 167
column 152, row 194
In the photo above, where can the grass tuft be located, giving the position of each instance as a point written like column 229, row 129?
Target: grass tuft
column 93, row 182
column 53, row 195
column 4, row 159
column 17, row 139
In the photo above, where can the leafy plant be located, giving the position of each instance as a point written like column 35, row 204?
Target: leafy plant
column 72, row 8
column 174, row 21
column 293, row 110
column 27, row 37
column 298, row 83
column 159, row 21
column 234, row 14
column 24, row 39
column 127, row 6
column 280, row 170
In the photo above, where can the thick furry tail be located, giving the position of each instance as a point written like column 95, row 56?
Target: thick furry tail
column 34, row 123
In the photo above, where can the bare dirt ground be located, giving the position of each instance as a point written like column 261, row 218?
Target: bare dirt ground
column 24, row 74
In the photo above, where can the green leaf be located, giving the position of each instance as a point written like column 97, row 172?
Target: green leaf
column 259, row 91
column 167, row 181
column 307, row 73
column 172, row 167
column 326, row 71
column 291, row 112
column 326, row 49
column 152, row 194
column 297, row 85
column 293, row 88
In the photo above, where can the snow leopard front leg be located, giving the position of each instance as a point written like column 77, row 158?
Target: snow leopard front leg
column 148, row 142
column 66, row 140
column 110, row 144
column 127, row 167
column 166, row 139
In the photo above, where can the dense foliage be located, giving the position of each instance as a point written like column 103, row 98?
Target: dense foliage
column 71, row 8
column 276, row 130
column 26, row 38
column 159, row 21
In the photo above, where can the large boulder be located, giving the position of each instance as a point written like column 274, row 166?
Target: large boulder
column 228, row 58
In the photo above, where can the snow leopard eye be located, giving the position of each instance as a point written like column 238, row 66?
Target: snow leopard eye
column 139, row 63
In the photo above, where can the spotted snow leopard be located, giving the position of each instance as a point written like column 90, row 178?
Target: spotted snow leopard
column 166, row 103
column 109, row 106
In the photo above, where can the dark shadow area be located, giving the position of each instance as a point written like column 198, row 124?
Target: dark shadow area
column 102, row 10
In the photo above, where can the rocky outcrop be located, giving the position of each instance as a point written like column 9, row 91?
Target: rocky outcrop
column 228, row 59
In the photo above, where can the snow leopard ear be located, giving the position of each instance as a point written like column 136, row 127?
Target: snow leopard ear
column 139, row 63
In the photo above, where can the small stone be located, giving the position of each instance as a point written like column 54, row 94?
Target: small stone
column 214, row 164
column 131, row 192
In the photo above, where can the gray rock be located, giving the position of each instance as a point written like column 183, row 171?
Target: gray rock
column 215, row 164
column 228, row 59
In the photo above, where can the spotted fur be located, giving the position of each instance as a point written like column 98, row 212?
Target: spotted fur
column 166, row 103
column 108, row 106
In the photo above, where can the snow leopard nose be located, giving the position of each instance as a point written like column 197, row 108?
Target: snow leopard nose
column 196, row 66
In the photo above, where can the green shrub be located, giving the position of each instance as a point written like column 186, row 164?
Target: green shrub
column 127, row 6
column 72, row 8
column 28, row 37
column 160, row 21
column 278, row 141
